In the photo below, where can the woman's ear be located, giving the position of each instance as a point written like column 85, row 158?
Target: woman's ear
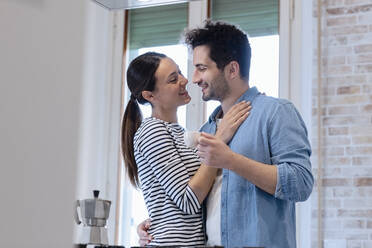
column 147, row 95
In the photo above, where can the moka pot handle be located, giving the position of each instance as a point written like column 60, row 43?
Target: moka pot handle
column 76, row 215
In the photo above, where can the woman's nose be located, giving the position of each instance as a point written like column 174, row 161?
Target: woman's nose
column 184, row 80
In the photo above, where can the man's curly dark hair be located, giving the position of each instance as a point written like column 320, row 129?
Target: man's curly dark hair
column 226, row 43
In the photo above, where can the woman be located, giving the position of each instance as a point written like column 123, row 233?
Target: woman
column 172, row 180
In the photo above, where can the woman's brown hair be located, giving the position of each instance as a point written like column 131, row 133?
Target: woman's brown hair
column 140, row 77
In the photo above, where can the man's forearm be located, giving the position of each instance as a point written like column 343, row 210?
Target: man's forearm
column 262, row 175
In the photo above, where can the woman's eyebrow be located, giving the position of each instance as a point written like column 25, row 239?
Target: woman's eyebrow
column 173, row 73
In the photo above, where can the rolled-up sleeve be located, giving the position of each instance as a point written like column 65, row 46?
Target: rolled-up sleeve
column 290, row 152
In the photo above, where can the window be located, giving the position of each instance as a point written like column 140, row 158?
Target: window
column 158, row 29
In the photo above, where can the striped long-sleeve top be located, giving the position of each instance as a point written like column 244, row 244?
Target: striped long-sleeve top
column 165, row 166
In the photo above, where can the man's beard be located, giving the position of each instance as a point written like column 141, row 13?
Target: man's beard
column 218, row 90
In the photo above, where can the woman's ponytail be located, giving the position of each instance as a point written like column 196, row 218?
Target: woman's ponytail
column 131, row 121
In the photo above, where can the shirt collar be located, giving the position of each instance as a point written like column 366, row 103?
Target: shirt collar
column 249, row 95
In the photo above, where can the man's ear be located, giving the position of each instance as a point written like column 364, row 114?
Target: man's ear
column 233, row 69
column 148, row 95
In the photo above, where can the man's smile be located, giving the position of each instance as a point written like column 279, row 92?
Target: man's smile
column 203, row 85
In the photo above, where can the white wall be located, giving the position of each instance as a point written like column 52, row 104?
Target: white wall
column 41, row 65
column 60, row 92
column 100, row 109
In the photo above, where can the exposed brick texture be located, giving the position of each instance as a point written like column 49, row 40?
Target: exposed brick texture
column 347, row 124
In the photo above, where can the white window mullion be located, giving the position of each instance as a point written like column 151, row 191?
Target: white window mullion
column 284, row 51
column 295, row 79
column 196, row 108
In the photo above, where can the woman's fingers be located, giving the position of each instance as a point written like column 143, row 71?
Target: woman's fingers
column 240, row 119
column 240, row 107
column 237, row 113
column 144, row 242
column 242, row 113
column 144, row 237
column 200, row 154
column 237, row 108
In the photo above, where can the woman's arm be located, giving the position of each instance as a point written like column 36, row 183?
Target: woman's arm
column 160, row 157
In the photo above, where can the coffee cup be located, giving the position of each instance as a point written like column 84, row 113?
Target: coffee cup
column 191, row 138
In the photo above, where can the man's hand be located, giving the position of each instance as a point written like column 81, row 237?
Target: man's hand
column 214, row 152
column 144, row 237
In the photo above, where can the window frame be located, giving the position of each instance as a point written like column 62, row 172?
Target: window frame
column 295, row 70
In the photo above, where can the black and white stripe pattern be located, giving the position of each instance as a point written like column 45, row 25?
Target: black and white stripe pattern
column 165, row 166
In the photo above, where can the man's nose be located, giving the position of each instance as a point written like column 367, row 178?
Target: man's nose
column 196, row 77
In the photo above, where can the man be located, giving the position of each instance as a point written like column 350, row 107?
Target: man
column 265, row 169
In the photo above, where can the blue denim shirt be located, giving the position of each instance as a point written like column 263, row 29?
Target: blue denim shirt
column 274, row 133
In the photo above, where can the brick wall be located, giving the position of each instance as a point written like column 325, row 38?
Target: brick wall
column 347, row 124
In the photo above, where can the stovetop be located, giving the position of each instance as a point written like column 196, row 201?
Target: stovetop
column 97, row 246
column 118, row 246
